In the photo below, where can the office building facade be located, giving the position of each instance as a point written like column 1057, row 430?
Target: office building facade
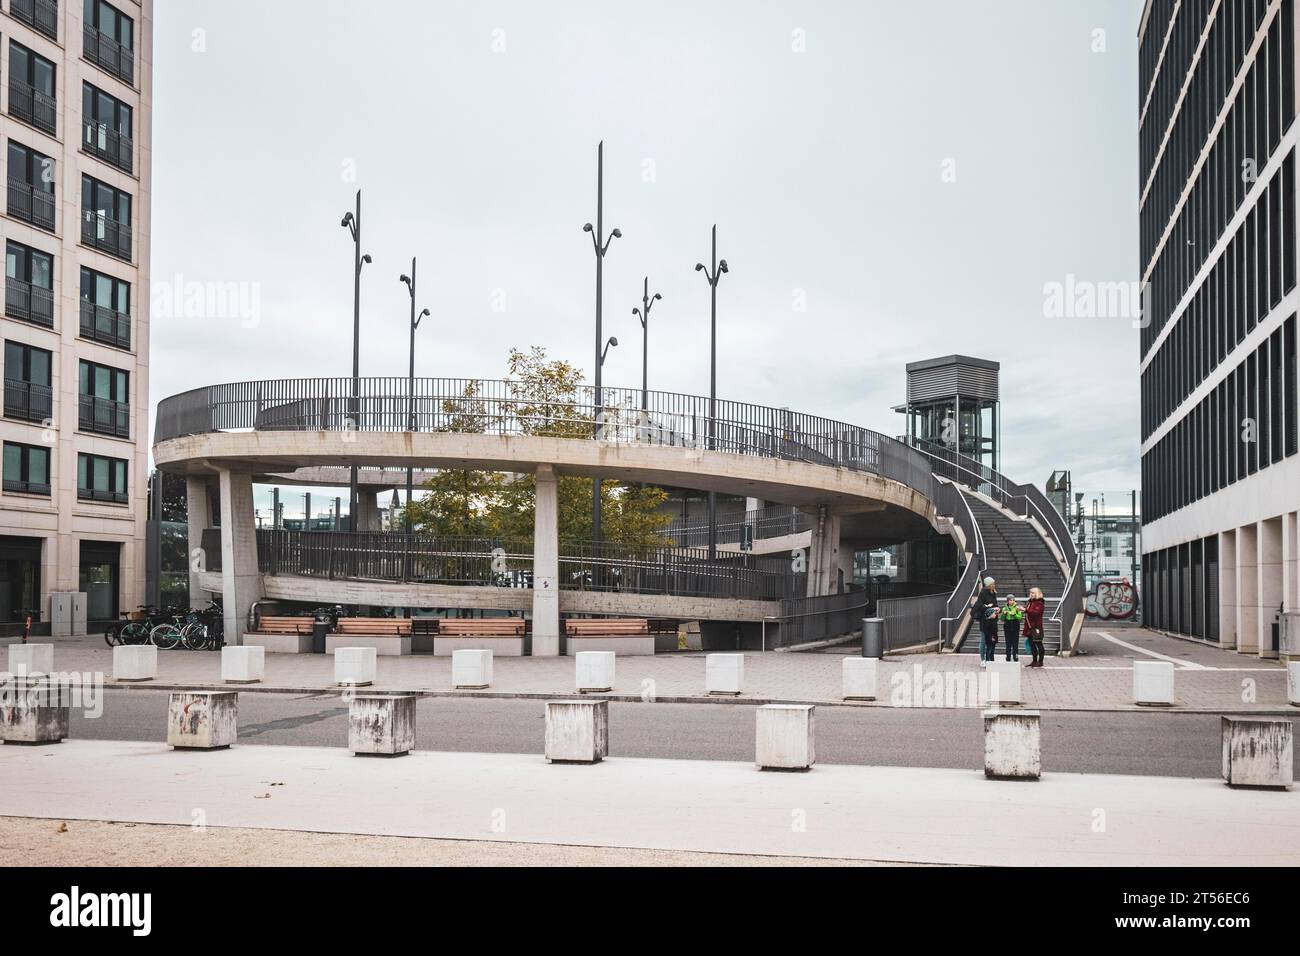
column 1218, row 240
column 75, row 109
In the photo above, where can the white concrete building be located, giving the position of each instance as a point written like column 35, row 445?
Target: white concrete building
column 75, row 116
column 1220, row 469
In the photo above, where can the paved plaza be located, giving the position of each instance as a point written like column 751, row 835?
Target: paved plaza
column 1207, row 679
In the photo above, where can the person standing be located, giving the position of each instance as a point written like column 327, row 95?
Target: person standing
column 1034, row 610
column 986, row 616
column 1012, row 616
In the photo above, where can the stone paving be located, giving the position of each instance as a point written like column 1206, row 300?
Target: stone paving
column 1207, row 678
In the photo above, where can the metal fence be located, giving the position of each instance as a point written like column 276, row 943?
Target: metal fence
column 805, row 620
column 770, row 522
column 910, row 621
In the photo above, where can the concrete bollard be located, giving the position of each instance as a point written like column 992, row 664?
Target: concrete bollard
column 1012, row 745
column 1293, row 683
column 243, row 665
column 1002, row 680
column 135, row 662
column 202, row 720
column 1153, row 683
column 595, row 671
column 471, row 669
column 29, row 659
column 382, row 724
column 859, row 678
column 32, row 711
column 724, row 674
column 354, row 666
column 577, row 731
column 784, row 736
column 1257, row 752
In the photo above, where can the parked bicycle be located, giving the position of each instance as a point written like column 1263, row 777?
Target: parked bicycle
column 134, row 627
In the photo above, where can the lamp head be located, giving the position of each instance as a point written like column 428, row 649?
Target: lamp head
column 366, row 258
column 722, row 265
column 613, row 341
column 406, row 279
column 699, row 267
column 586, row 227
column 657, row 297
column 617, row 233
column 347, row 220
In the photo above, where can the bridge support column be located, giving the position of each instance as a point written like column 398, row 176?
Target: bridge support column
column 241, row 580
column 198, row 513
column 546, row 565
column 367, row 511
column 825, row 557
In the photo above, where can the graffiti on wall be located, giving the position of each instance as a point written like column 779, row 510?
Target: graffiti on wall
column 1114, row 600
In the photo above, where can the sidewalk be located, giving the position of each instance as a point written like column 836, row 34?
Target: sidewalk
column 1208, row 679
column 864, row 813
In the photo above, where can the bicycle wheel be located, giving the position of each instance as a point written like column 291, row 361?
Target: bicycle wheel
column 194, row 636
column 165, row 636
column 111, row 634
column 133, row 632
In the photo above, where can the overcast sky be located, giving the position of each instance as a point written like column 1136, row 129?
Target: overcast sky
column 913, row 173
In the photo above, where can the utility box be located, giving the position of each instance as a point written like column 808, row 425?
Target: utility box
column 67, row 615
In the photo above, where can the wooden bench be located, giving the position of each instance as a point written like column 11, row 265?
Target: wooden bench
column 504, row 636
column 389, row 636
column 282, row 634
column 626, row 636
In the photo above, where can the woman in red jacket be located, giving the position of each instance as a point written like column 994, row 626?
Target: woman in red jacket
column 1034, row 624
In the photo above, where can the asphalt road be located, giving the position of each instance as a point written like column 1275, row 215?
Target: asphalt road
column 1150, row 743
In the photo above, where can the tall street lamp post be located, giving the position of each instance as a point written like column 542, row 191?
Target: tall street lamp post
column 643, row 313
column 352, row 223
column 719, row 269
column 410, row 388
column 601, row 246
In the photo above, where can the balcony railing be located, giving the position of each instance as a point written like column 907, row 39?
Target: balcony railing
column 28, row 401
column 29, row 303
column 105, row 234
column 32, row 106
column 30, row 204
column 27, row 487
column 108, row 144
column 102, row 324
column 104, row 416
column 100, row 494
column 43, row 15
column 105, row 52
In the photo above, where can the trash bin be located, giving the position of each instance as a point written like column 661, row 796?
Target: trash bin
column 873, row 637
column 318, row 631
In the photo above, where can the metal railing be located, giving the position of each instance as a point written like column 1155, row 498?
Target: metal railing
column 29, row 303
column 106, row 234
column 21, row 487
column 807, row 620
column 105, row 52
column 33, row 106
column 104, row 416
column 28, row 401
column 102, row 324
column 488, row 562
column 774, row 521
column 43, row 15
column 110, row 145
column 30, row 204
column 949, row 500
column 912, row 621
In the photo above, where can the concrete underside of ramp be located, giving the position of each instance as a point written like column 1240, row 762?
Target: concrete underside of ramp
column 288, row 587
column 905, row 511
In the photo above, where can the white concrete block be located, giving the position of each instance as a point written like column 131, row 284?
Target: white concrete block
column 471, row 669
column 595, row 671
column 1002, row 682
column 243, row 665
column 1293, row 683
column 1012, row 745
column 135, row 662
column 32, row 711
column 859, row 678
column 783, row 736
column 354, row 665
column 724, row 673
column 577, row 731
column 202, row 720
column 26, row 659
column 1257, row 751
column 1153, row 683
column 382, row 724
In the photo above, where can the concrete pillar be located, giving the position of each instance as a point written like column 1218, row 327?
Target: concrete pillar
column 824, row 558
column 198, row 508
column 241, row 581
column 1268, row 575
column 367, row 510
column 1290, row 591
column 546, row 565
column 1247, row 590
column 1227, row 589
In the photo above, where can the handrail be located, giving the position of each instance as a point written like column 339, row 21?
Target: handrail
column 1078, row 562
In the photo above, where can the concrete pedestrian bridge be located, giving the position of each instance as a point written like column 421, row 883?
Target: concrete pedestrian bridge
column 861, row 490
